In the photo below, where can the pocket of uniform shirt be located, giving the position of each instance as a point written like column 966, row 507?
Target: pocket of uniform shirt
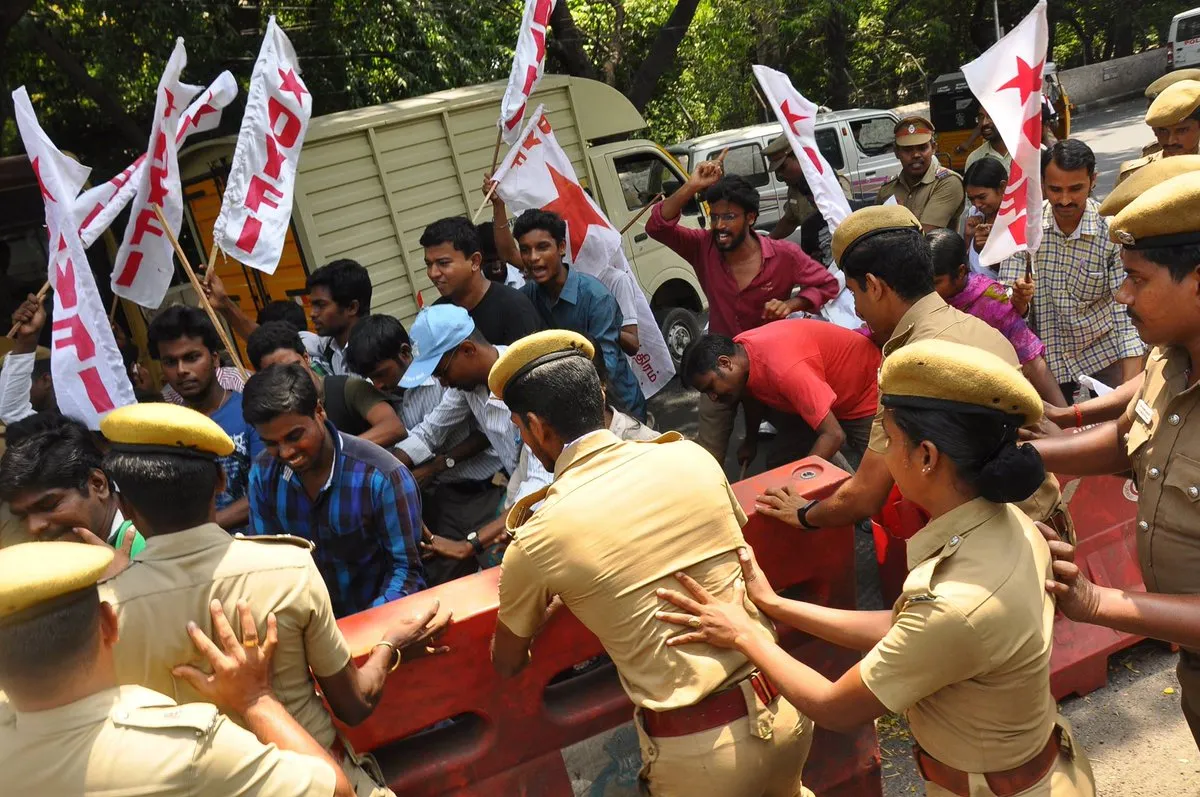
column 1091, row 286
column 1183, row 474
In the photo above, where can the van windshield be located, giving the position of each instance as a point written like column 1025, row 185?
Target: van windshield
column 1188, row 28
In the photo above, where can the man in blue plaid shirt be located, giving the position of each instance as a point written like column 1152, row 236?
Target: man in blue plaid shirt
column 359, row 505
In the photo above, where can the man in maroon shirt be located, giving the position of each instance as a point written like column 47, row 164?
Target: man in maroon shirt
column 816, row 370
column 749, row 279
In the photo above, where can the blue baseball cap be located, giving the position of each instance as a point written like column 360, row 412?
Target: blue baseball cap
column 438, row 329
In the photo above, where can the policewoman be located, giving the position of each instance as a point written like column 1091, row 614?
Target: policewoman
column 965, row 651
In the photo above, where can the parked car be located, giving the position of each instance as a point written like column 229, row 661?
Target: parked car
column 856, row 142
column 1183, row 40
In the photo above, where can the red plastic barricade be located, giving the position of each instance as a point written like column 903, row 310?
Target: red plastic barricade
column 538, row 735
column 1104, row 509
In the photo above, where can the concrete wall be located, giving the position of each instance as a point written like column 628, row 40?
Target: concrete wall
column 1120, row 77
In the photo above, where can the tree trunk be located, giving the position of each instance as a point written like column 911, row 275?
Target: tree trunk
column 568, row 43
column 1122, row 35
column 662, row 53
column 837, row 51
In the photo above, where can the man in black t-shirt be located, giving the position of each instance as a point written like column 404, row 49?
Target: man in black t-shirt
column 453, row 263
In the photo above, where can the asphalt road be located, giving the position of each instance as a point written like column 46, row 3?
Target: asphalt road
column 1132, row 729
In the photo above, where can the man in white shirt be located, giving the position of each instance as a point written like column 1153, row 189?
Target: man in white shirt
column 26, row 386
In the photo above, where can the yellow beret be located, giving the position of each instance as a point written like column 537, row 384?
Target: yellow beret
column 1176, row 103
column 533, row 350
column 35, row 573
column 165, row 427
column 1144, row 177
column 1167, row 214
column 913, row 130
column 869, row 222
column 938, row 373
column 1157, row 87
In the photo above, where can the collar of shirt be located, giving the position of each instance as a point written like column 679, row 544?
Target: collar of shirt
column 569, row 293
column 90, row 710
column 183, row 543
column 960, row 522
column 1175, row 372
column 922, row 307
column 1089, row 225
column 583, row 447
column 927, row 178
column 117, row 520
column 290, row 476
column 583, row 437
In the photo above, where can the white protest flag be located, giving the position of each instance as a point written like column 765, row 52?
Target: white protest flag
column 529, row 61
column 89, row 375
column 101, row 204
column 146, row 259
column 1007, row 80
column 798, row 116
column 538, row 174
column 257, row 207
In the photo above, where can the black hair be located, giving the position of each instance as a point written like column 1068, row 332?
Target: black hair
column 53, row 644
column 986, row 173
column 1178, row 260
column 982, row 445
column 374, row 339
column 284, row 310
column 1069, row 154
column 458, row 231
column 948, row 250
column 534, row 219
column 346, row 281
column 180, row 321
column 564, row 393
column 171, row 491
column 277, row 391
column 271, row 337
column 485, row 234
column 901, row 258
column 736, row 189
column 700, row 356
column 48, row 451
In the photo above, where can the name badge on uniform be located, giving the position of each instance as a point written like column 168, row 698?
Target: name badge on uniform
column 1143, row 412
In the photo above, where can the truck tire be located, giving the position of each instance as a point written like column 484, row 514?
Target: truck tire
column 680, row 326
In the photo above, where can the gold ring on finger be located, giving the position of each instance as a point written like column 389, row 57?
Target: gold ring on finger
column 694, row 622
column 250, row 643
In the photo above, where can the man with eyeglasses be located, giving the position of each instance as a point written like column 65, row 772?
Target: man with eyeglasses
column 749, row 279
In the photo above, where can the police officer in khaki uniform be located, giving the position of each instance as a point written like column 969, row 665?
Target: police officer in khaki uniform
column 163, row 456
column 965, row 652
column 933, row 193
column 889, row 271
column 1159, row 434
column 1174, row 116
column 620, row 518
column 799, row 211
column 1156, row 88
column 68, row 728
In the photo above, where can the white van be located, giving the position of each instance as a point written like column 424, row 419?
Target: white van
column 1183, row 40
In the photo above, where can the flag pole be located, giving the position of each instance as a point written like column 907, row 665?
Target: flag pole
column 41, row 296
column 208, row 308
column 496, row 151
column 486, row 198
column 112, row 311
column 641, row 212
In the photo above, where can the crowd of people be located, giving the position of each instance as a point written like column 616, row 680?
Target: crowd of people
column 170, row 587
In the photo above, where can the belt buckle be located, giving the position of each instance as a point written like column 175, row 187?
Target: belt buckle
column 763, row 687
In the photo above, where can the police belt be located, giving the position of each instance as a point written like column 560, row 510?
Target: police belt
column 720, row 708
column 1003, row 784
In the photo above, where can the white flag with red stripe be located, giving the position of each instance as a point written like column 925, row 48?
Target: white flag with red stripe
column 529, row 62
column 89, row 375
column 257, row 207
column 1007, row 80
column 146, row 259
column 538, row 174
column 101, row 204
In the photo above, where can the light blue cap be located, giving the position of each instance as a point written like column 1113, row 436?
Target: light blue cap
column 437, row 330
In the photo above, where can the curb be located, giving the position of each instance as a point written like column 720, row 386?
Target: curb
column 1105, row 102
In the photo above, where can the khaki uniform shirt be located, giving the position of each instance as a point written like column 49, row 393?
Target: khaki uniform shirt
column 620, row 519
column 132, row 741
column 1164, row 449
column 1130, row 166
column 173, row 580
column 937, row 200
column 986, row 150
column 968, row 655
column 799, row 207
column 930, row 318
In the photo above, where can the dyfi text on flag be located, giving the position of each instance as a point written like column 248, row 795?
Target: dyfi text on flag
column 257, row 206
column 89, row 375
column 529, row 61
column 1007, row 79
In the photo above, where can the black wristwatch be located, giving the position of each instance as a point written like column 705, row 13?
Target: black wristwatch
column 802, row 515
column 473, row 538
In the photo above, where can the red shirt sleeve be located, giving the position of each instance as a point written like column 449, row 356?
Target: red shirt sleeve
column 816, row 283
column 686, row 242
column 809, row 395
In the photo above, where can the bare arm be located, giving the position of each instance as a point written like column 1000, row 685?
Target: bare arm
column 860, row 496
column 628, row 339
column 214, row 288
column 1109, row 407
column 1038, row 374
column 784, row 227
column 235, row 515
column 386, row 427
column 506, row 244
column 830, row 437
column 1092, row 452
column 1131, row 368
column 706, row 174
column 510, row 653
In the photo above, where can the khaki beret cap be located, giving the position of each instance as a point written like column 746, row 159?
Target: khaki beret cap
column 1156, row 88
column 533, row 350
column 35, row 573
column 1176, row 103
column 1166, row 214
column 940, row 374
column 913, row 130
column 1146, row 177
column 165, row 428
column 868, row 222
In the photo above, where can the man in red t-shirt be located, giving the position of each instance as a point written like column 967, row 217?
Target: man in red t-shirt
column 816, row 370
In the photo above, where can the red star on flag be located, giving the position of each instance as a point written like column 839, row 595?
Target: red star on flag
column 289, row 82
column 573, row 205
column 170, row 109
column 1032, row 128
column 37, row 172
column 1027, row 81
column 792, row 118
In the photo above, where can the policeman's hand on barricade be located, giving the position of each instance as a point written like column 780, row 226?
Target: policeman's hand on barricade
column 725, row 625
column 781, row 503
column 241, row 671
column 120, row 560
column 414, row 635
column 1076, row 596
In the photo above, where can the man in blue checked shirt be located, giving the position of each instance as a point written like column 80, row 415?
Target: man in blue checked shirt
column 356, row 502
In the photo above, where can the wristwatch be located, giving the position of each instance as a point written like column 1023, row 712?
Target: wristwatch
column 473, row 538
column 802, row 515
column 449, row 463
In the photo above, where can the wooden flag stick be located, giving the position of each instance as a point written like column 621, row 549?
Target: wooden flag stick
column 641, row 212
column 212, row 261
column 742, row 475
column 496, row 151
column 112, row 311
column 41, row 296
column 208, row 308
column 486, row 198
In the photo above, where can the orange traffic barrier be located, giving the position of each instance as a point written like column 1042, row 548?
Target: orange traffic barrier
column 450, row 725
